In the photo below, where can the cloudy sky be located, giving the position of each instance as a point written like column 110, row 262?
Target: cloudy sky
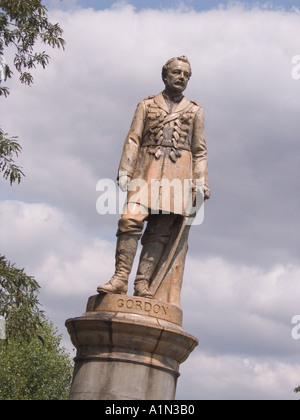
column 241, row 286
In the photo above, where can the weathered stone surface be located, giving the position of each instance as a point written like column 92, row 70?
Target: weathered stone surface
column 132, row 347
column 164, row 170
column 124, row 355
column 135, row 305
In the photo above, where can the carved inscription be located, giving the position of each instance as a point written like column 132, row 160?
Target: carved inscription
column 134, row 305
column 144, row 306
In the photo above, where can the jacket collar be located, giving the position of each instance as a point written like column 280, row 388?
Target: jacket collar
column 160, row 101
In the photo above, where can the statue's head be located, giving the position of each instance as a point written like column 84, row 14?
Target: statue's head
column 176, row 73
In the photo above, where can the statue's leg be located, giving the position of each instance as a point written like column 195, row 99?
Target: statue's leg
column 129, row 232
column 155, row 238
column 125, row 253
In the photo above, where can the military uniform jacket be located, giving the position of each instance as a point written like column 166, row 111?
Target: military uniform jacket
column 164, row 154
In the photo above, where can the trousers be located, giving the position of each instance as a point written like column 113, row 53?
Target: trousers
column 159, row 226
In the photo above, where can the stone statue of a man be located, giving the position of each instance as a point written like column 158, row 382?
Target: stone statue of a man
column 164, row 159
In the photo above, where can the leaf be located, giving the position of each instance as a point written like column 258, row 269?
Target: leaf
column 41, row 338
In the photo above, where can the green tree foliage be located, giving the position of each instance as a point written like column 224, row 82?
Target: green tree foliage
column 24, row 24
column 19, row 303
column 9, row 147
column 33, row 366
column 36, row 370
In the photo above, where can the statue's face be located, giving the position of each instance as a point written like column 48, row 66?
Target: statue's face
column 178, row 76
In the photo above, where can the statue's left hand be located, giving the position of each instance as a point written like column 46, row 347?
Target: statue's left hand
column 206, row 193
column 203, row 190
column 123, row 182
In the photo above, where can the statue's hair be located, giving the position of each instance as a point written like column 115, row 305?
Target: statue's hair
column 167, row 66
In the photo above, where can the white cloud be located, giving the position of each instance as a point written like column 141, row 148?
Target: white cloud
column 240, row 315
column 83, row 104
column 239, row 292
column 239, row 308
column 237, row 378
column 64, row 259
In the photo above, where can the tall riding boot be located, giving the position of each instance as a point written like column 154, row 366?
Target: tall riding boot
column 150, row 256
column 125, row 253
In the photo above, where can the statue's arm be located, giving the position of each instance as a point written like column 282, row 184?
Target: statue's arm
column 131, row 147
column 199, row 151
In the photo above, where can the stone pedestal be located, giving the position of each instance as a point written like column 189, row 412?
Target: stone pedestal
column 128, row 348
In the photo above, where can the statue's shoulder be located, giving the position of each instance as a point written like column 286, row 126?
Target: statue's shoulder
column 196, row 108
column 144, row 103
column 149, row 98
column 150, row 102
column 195, row 103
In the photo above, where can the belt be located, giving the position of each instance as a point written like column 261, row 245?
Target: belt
column 167, row 143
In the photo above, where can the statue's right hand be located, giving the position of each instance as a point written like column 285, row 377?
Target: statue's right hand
column 123, row 182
